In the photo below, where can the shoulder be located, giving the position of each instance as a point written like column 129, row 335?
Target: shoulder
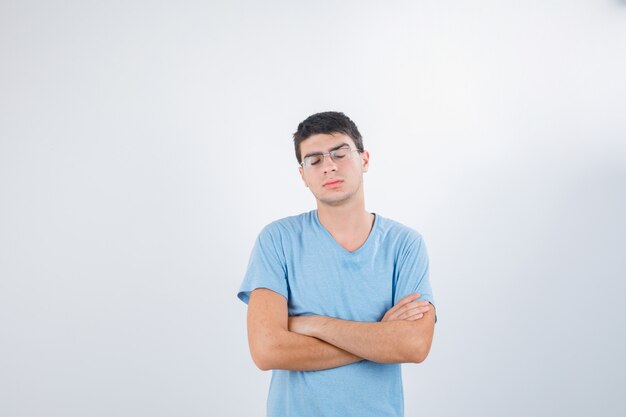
column 394, row 231
column 287, row 226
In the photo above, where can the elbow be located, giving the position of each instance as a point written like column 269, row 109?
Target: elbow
column 419, row 342
column 261, row 362
column 419, row 357
column 419, row 351
column 265, row 351
column 262, row 358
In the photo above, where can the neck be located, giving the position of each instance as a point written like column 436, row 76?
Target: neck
column 344, row 218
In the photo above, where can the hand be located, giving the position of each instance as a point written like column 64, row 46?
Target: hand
column 407, row 309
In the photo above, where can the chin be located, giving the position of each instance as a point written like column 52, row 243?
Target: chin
column 334, row 201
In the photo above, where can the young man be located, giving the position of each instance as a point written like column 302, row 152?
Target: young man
column 337, row 297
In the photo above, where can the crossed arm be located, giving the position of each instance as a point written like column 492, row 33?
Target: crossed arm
column 306, row 343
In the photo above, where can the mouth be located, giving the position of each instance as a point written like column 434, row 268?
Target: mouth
column 333, row 183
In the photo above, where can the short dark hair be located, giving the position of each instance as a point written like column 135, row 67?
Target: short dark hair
column 326, row 122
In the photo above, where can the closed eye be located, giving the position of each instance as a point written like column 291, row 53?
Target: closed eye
column 314, row 159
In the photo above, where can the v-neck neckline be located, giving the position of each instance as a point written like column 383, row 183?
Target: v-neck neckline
column 336, row 244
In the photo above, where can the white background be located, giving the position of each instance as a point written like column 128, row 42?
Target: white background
column 143, row 145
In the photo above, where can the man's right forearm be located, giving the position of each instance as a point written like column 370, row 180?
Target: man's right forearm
column 295, row 352
column 273, row 346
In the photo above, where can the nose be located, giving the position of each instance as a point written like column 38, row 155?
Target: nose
column 332, row 167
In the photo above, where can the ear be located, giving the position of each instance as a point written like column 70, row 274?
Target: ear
column 365, row 158
column 301, row 171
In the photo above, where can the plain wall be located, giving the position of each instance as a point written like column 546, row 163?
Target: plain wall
column 143, row 145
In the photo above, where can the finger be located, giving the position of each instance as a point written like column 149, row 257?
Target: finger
column 414, row 317
column 409, row 298
column 423, row 307
column 405, row 315
column 414, row 305
column 393, row 311
column 413, row 311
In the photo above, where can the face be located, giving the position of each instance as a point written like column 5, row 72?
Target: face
column 334, row 182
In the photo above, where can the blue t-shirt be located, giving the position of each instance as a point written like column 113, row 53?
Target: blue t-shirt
column 297, row 258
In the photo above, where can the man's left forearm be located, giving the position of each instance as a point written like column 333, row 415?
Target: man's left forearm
column 397, row 341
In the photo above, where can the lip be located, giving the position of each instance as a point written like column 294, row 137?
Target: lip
column 333, row 182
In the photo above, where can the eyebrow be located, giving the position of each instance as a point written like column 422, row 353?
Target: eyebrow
column 341, row 145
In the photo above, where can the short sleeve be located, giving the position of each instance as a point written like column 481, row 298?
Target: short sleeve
column 266, row 267
column 413, row 274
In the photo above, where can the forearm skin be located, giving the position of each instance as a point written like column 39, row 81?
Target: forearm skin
column 295, row 352
column 274, row 346
column 385, row 342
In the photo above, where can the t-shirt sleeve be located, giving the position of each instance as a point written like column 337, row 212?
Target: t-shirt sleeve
column 413, row 274
column 267, row 267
